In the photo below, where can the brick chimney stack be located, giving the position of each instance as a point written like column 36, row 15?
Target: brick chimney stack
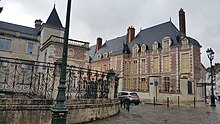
column 38, row 23
column 182, row 23
column 130, row 33
column 98, row 43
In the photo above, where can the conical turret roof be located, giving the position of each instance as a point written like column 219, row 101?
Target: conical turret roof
column 53, row 19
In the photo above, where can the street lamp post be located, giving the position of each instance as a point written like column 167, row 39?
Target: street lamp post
column 210, row 54
column 1, row 8
column 59, row 111
column 205, row 93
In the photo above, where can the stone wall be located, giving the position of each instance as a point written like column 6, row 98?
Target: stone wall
column 19, row 111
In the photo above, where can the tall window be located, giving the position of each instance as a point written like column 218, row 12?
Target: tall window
column 134, row 84
column 135, row 67
column 143, row 66
column 166, row 64
column 166, row 84
column 128, row 67
column 126, row 70
column 143, row 84
column 30, row 47
column 98, row 68
column 104, row 68
column 185, row 63
column 5, row 44
column 155, row 64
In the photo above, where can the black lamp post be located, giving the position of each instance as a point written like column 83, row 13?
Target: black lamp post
column 1, row 8
column 60, row 111
column 210, row 54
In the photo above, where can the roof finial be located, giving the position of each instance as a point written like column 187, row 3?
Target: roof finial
column 54, row 4
column 170, row 19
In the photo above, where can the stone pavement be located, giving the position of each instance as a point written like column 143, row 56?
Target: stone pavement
column 160, row 114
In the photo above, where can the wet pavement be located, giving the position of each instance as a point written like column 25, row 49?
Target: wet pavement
column 160, row 114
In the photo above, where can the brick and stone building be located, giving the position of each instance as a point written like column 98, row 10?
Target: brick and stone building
column 154, row 61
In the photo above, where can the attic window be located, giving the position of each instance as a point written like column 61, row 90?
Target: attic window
column 99, row 56
column 135, row 49
column 155, row 46
column 143, row 48
column 106, row 55
column 185, row 43
column 166, row 43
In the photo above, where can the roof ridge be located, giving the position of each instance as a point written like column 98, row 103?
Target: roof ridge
column 18, row 25
column 116, row 38
column 158, row 25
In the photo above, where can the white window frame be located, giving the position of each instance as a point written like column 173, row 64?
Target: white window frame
column 27, row 49
column 5, row 43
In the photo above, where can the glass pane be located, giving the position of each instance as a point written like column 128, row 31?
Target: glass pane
column 8, row 44
column 30, row 48
column 1, row 43
column 133, row 94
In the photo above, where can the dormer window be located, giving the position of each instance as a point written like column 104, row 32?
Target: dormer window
column 106, row 55
column 99, row 56
column 166, row 43
column 155, row 46
column 135, row 49
column 143, row 48
column 185, row 43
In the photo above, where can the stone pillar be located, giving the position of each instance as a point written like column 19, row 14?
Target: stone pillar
column 111, row 81
column 56, row 75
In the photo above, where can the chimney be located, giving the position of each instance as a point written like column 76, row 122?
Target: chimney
column 130, row 33
column 98, row 43
column 182, row 23
column 38, row 23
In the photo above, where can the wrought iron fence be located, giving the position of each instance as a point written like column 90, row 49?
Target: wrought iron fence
column 24, row 78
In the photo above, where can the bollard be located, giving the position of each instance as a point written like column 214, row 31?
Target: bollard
column 188, row 106
column 208, row 108
column 168, row 102
column 178, row 100
column 154, row 101
column 194, row 102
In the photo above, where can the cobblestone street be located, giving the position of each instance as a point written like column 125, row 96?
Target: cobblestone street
column 160, row 114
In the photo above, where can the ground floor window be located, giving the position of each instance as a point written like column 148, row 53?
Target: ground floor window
column 189, row 87
column 143, row 84
column 166, row 84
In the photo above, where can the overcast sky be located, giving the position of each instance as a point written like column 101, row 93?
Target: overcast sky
column 110, row 18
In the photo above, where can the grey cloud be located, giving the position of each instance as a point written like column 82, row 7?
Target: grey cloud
column 110, row 18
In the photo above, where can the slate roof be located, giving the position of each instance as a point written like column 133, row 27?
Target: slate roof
column 156, row 33
column 146, row 36
column 53, row 19
column 115, row 45
column 18, row 28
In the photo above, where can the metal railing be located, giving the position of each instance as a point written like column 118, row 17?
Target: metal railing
column 32, row 79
